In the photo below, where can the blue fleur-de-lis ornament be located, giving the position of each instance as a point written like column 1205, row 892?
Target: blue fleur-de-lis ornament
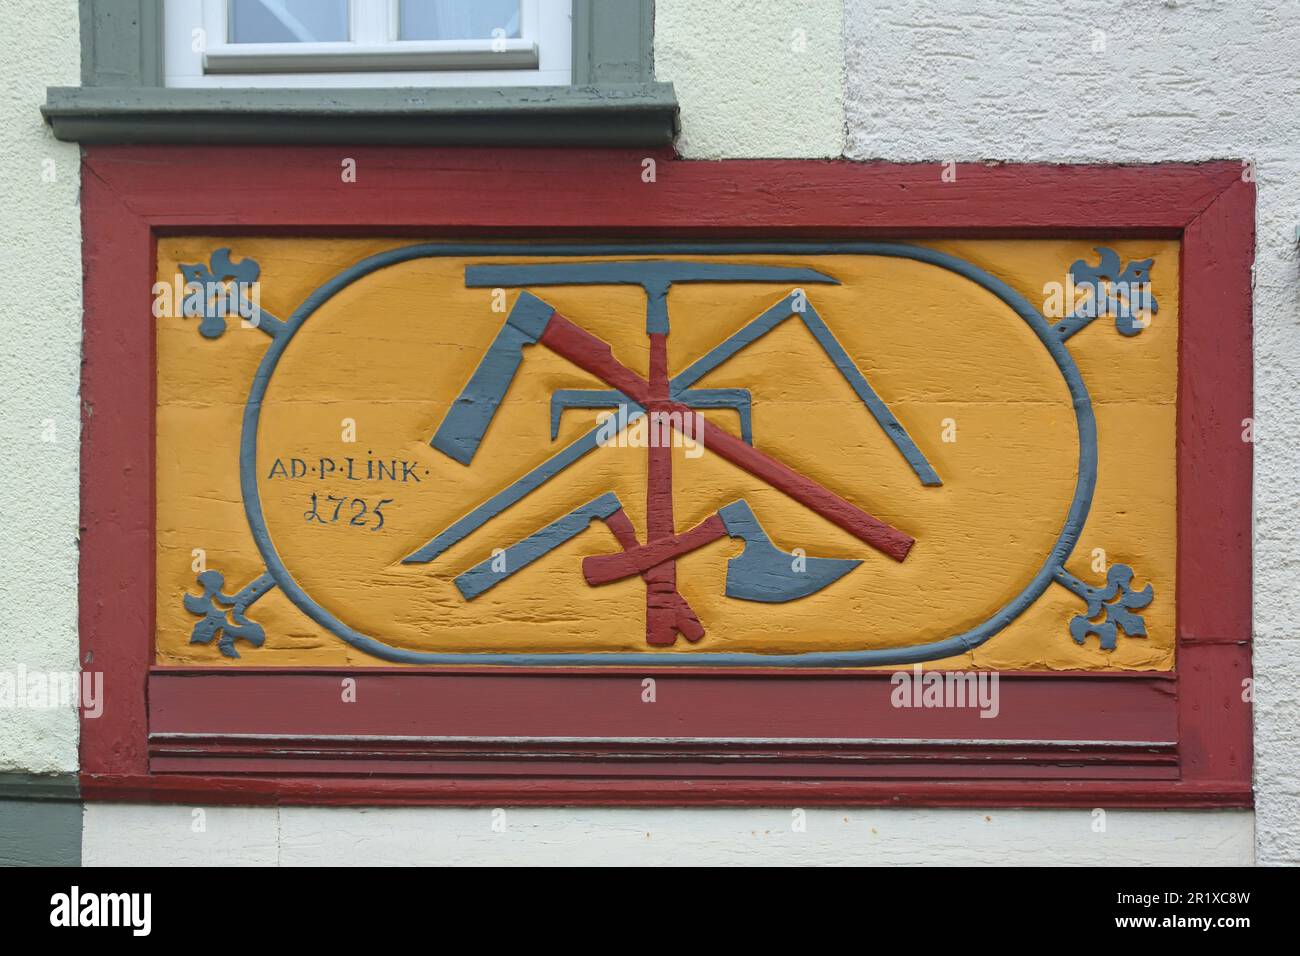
column 215, row 624
column 1122, row 291
column 1117, row 600
column 217, row 288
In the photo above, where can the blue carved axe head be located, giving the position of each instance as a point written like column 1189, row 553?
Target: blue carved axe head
column 763, row 572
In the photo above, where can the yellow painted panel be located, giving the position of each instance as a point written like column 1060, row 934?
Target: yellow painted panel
column 386, row 357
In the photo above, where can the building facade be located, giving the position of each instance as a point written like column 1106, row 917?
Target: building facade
column 983, row 114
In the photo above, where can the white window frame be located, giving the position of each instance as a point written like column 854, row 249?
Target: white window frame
column 199, row 54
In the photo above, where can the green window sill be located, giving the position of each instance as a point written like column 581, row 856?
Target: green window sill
column 642, row 114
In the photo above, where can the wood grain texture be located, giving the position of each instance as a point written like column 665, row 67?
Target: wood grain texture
column 685, row 620
column 604, row 568
column 408, row 190
column 661, row 595
column 920, row 353
column 1215, row 471
column 592, row 355
column 560, row 703
column 1214, row 410
column 470, row 791
column 116, row 614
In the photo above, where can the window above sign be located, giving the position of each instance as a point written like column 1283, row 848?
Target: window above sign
column 483, row 73
column 367, row 43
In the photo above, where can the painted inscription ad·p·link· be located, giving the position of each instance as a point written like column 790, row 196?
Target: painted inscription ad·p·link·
column 827, row 454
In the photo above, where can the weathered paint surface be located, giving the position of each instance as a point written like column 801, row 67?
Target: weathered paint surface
column 386, row 358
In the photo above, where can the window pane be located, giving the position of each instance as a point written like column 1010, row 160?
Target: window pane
column 288, row 21
column 458, row 19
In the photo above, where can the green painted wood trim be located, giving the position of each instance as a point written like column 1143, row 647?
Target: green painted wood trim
column 613, row 101
column 36, row 833
column 640, row 115
column 40, row 819
column 613, row 42
column 39, row 786
column 121, row 42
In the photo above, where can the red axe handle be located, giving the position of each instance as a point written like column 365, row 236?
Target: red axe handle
column 604, row 568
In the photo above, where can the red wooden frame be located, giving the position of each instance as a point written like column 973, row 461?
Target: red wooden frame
column 492, row 735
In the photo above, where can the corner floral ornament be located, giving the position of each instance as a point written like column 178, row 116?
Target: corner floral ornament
column 220, row 288
column 1118, row 613
column 215, row 624
column 1123, row 292
column 762, row 571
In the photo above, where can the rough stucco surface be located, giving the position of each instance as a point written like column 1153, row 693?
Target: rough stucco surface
column 40, row 352
column 754, row 78
column 122, row 835
column 1178, row 80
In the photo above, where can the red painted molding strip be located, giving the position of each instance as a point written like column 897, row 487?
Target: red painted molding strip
column 381, row 791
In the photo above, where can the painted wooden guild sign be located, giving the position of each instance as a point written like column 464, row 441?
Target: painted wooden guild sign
column 757, row 454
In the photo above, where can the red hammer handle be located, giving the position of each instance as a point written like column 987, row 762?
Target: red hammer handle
column 604, row 568
column 594, row 355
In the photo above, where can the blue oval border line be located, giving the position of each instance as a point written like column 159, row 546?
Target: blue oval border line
column 916, row 653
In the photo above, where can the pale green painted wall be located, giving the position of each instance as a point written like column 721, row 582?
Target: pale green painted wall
column 754, row 78
column 40, row 367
